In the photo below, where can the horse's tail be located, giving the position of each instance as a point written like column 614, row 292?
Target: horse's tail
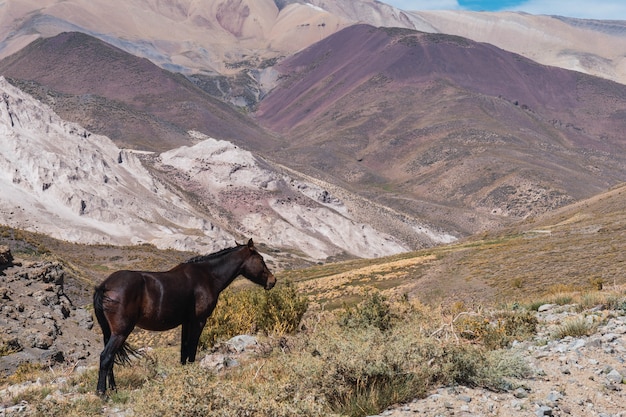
column 123, row 354
column 98, row 308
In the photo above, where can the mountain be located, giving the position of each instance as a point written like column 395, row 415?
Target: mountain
column 595, row 47
column 230, row 45
column 472, row 148
column 444, row 128
column 180, row 35
column 62, row 180
column 421, row 136
column 126, row 98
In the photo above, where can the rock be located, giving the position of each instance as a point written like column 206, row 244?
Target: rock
column 242, row 343
column 42, row 341
column 609, row 337
column 218, row 362
column 38, row 321
column 544, row 410
column 615, row 376
column 520, row 393
column 6, row 258
column 4, row 293
column 554, row 396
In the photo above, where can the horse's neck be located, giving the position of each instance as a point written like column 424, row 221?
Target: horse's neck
column 225, row 272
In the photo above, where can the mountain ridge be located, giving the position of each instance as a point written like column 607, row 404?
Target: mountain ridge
column 468, row 154
column 284, row 27
column 86, row 73
column 438, row 138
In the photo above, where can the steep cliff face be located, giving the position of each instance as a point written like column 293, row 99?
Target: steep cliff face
column 60, row 179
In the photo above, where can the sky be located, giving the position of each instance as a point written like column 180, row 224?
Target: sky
column 584, row 9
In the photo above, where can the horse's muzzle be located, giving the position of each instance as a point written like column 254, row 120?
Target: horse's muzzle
column 271, row 281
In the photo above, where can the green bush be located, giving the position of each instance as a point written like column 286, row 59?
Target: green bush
column 278, row 311
column 374, row 311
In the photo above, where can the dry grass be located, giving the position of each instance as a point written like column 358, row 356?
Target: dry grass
column 352, row 362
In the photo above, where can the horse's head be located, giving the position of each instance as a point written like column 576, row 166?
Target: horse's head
column 255, row 270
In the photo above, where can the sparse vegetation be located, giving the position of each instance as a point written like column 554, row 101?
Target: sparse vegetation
column 361, row 344
column 349, row 362
column 575, row 328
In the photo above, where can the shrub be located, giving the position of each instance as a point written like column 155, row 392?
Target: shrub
column 374, row 311
column 575, row 327
column 498, row 329
column 596, row 283
column 278, row 311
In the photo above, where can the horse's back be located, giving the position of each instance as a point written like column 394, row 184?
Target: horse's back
column 122, row 284
column 120, row 278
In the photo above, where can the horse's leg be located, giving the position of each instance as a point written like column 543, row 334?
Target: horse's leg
column 112, row 384
column 195, row 332
column 107, row 360
column 184, row 344
column 111, row 378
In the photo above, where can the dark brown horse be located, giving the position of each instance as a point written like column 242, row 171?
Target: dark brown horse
column 185, row 295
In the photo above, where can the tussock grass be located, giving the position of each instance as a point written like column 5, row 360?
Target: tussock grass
column 575, row 327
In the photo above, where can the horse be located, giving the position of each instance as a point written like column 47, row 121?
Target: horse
column 185, row 295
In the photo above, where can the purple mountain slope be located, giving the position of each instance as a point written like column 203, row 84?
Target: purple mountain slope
column 422, row 121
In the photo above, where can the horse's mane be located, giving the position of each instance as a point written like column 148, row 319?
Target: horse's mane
column 206, row 258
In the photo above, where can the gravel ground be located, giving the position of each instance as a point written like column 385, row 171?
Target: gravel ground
column 573, row 376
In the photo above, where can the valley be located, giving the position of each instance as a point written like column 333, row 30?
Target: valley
column 422, row 182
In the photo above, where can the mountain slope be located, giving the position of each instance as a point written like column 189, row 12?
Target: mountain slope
column 181, row 35
column 595, row 47
column 426, row 121
column 129, row 99
column 60, row 179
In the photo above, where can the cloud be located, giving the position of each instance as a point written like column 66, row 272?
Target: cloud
column 597, row 9
column 425, row 4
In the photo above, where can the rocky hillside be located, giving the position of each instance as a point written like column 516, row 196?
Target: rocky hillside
column 60, row 179
column 40, row 321
column 572, row 364
column 64, row 181
column 571, row 375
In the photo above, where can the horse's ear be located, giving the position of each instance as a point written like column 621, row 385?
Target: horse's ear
column 250, row 244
